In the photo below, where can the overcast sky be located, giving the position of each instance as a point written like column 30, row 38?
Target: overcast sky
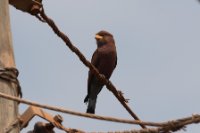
column 158, row 44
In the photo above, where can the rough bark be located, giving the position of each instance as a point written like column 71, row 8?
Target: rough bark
column 8, row 109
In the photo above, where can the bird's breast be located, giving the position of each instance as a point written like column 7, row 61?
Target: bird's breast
column 107, row 64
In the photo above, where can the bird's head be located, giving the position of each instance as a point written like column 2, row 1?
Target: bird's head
column 104, row 37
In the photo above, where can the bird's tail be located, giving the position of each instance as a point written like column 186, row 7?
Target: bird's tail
column 91, row 106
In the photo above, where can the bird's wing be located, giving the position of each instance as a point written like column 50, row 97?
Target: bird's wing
column 95, row 61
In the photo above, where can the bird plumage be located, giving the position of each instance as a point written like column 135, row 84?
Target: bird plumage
column 105, row 60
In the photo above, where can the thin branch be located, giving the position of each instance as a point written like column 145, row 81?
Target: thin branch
column 101, row 77
column 92, row 116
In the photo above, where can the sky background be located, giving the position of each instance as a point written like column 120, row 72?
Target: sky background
column 158, row 44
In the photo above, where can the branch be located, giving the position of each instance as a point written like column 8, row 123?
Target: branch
column 92, row 116
column 101, row 77
column 169, row 126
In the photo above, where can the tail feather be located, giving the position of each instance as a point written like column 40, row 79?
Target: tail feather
column 91, row 106
column 91, row 111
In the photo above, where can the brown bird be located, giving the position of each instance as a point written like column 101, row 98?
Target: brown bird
column 105, row 60
column 41, row 127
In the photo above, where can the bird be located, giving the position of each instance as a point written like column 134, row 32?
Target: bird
column 105, row 60
column 41, row 127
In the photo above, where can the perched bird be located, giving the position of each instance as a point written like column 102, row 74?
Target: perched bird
column 105, row 60
column 41, row 127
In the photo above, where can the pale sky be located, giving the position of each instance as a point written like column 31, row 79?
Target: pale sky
column 158, row 67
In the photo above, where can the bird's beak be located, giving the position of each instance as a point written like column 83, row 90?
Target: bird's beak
column 98, row 37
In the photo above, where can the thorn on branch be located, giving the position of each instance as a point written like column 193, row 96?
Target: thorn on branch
column 120, row 93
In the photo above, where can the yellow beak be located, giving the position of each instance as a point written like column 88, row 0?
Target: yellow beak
column 98, row 37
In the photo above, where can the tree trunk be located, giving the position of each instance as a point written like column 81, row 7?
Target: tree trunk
column 8, row 109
